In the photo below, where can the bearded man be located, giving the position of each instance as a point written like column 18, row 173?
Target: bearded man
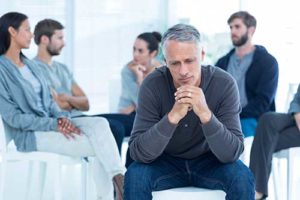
column 253, row 68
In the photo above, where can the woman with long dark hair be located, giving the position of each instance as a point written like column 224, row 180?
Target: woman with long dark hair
column 34, row 120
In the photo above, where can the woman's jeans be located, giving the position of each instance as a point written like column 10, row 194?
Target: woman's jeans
column 206, row 171
column 97, row 140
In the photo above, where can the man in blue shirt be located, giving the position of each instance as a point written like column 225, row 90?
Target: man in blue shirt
column 49, row 37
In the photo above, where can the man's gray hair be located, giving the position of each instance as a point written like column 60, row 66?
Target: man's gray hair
column 181, row 33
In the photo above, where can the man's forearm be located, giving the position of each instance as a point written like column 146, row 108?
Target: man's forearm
column 80, row 103
column 147, row 146
column 226, row 144
column 64, row 105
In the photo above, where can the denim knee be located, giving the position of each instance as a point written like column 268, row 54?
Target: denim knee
column 242, row 185
column 138, row 174
column 138, row 182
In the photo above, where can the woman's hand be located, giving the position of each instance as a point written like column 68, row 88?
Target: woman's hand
column 139, row 71
column 67, row 128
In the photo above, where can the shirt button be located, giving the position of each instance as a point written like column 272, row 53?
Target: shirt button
column 186, row 125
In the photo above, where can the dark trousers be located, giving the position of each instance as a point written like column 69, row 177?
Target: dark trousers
column 118, row 131
column 126, row 121
column 275, row 131
column 206, row 171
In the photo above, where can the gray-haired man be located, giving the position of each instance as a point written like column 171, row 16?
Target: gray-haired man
column 187, row 130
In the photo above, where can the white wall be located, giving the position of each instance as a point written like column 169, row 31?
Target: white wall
column 100, row 34
column 104, row 35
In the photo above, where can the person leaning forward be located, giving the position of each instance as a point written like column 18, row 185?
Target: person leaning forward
column 187, row 130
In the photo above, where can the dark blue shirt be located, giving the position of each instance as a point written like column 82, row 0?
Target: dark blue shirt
column 261, row 82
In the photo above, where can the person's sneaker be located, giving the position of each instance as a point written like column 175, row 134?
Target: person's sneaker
column 260, row 196
column 118, row 181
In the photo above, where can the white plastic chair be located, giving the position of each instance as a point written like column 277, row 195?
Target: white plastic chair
column 289, row 155
column 188, row 193
column 56, row 161
column 245, row 156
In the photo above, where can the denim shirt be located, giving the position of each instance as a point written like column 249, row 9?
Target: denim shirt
column 20, row 114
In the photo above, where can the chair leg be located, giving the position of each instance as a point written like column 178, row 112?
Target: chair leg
column 84, row 180
column 290, row 163
column 57, row 181
column 29, row 180
column 276, row 178
column 2, row 177
column 42, row 179
column 91, row 193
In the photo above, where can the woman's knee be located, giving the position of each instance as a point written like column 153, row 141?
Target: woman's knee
column 97, row 123
column 90, row 121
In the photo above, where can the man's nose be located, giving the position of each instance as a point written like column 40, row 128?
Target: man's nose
column 233, row 31
column 183, row 70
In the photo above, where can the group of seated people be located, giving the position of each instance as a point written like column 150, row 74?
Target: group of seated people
column 186, row 121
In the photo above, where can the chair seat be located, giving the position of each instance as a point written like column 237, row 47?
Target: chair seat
column 245, row 157
column 42, row 157
column 188, row 193
column 285, row 188
column 8, row 154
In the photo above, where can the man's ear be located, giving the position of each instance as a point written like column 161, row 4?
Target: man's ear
column 44, row 39
column 12, row 31
column 251, row 30
column 202, row 54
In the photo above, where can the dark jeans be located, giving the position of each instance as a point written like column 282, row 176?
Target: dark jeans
column 118, row 131
column 206, row 171
column 275, row 131
column 126, row 122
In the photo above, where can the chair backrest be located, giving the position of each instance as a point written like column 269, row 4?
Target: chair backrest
column 2, row 137
column 291, row 93
column 5, row 138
